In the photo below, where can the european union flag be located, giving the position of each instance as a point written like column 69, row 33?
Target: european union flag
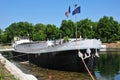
column 75, row 11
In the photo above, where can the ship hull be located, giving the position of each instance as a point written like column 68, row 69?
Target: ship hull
column 64, row 60
column 66, row 56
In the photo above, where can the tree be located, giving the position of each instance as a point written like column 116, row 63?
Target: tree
column 25, row 29
column 85, row 28
column 67, row 28
column 118, row 38
column 18, row 29
column 1, row 35
column 108, row 29
column 52, row 31
column 1, row 31
column 39, row 32
column 4, row 38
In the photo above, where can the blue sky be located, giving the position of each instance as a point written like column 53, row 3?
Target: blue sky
column 53, row 11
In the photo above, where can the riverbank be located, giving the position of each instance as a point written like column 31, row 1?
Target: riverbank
column 4, row 46
column 112, row 45
column 13, row 70
column 5, row 74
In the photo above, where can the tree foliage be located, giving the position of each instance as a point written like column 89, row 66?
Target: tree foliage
column 1, row 35
column 106, row 29
column 18, row 29
column 52, row 31
column 39, row 32
column 67, row 28
column 85, row 28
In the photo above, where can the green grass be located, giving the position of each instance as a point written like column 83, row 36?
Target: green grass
column 4, row 74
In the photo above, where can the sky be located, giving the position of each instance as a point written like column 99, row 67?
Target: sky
column 53, row 11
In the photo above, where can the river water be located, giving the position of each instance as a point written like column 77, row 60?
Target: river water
column 107, row 68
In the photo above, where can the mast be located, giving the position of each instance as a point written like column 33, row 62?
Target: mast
column 75, row 5
column 76, row 11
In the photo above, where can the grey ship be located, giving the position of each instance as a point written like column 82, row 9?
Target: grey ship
column 57, row 55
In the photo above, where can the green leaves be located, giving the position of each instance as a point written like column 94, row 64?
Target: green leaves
column 52, row 31
column 18, row 29
column 106, row 29
column 85, row 28
column 67, row 28
column 39, row 32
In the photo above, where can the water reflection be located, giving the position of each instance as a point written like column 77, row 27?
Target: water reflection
column 108, row 66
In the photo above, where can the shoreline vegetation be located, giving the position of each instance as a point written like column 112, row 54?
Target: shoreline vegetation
column 9, row 71
column 5, row 74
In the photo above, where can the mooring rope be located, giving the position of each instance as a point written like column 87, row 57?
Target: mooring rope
column 17, row 56
column 80, row 55
column 88, row 70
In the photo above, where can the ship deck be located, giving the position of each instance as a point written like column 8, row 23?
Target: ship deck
column 42, row 47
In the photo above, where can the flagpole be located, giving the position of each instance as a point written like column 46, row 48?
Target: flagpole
column 75, row 5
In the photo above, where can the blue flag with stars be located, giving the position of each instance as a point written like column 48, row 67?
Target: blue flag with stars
column 76, row 10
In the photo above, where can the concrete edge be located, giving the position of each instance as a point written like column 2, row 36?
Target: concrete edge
column 18, row 74
column 103, row 48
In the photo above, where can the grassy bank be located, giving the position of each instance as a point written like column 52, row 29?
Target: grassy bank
column 5, row 74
